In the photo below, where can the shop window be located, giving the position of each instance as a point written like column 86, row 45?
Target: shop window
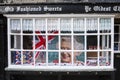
column 60, row 41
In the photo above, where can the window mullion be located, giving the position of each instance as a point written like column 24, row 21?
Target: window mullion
column 85, row 41
column 46, row 20
column 98, row 47
column 112, row 42
column 34, row 41
column 59, row 58
column 9, row 43
column 21, row 40
column 72, row 54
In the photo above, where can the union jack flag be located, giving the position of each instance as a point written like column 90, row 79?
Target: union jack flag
column 40, row 43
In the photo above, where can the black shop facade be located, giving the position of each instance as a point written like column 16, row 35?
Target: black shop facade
column 60, row 41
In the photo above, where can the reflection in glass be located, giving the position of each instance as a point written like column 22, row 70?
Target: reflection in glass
column 105, row 41
column 28, row 58
column 53, row 42
column 105, row 58
column 40, row 58
column 16, row 57
column 53, row 58
column 66, row 42
column 15, row 41
column 27, row 42
column 78, row 42
column 79, row 58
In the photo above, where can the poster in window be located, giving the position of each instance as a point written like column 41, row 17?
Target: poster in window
column 53, row 42
column 66, row 58
column 40, row 58
column 28, row 58
column 40, row 42
column 79, row 58
column 78, row 42
column 65, row 42
column 53, row 58
column 16, row 57
column 65, row 53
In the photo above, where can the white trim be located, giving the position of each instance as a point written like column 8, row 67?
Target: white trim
column 112, row 41
column 9, row 44
column 58, row 15
column 58, row 68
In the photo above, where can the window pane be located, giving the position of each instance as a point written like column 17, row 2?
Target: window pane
column 15, row 41
column 105, row 58
column 92, row 59
column 91, row 25
column 27, row 42
column 66, row 58
column 40, row 58
column 92, row 42
column 65, row 25
column 66, row 42
column 15, row 57
column 40, row 42
column 79, row 58
column 27, row 25
column 53, row 42
column 78, row 42
column 15, row 26
column 52, row 25
column 78, row 25
column 53, row 58
column 40, row 26
column 28, row 58
column 105, row 41
column 105, row 25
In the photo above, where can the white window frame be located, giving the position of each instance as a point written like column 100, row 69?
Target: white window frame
column 63, row 68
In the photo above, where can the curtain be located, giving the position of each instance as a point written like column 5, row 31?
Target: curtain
column 52, row 24
column 27, row 24
column 65, row 24
column 105, row 24
column 40, row 25
column 15, row 24
column 78, row 25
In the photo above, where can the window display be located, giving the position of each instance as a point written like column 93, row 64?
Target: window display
column 60, row 41
column 40, row 58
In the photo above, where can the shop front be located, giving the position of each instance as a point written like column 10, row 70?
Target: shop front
column 61, row 39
